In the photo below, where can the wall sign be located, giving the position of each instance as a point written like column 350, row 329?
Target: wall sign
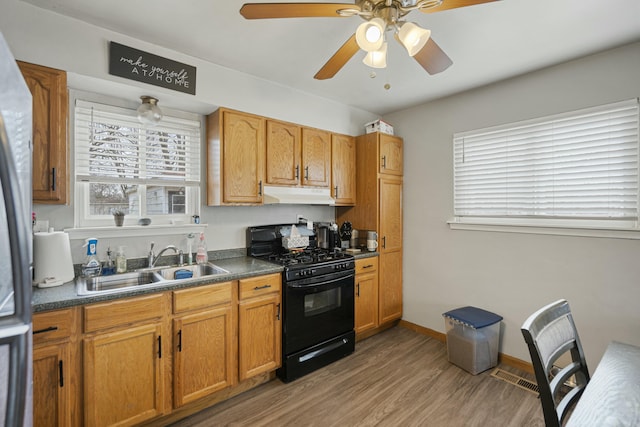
column 145, row 67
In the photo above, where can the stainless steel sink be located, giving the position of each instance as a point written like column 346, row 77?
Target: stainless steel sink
column 146, row 277
column 102, row 284
column 191, row 271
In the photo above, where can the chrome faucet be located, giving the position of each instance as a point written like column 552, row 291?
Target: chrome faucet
column 153, row 258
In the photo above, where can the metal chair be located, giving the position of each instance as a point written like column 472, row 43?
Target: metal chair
column 549, row 333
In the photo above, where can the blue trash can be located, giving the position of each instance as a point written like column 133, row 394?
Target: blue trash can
column 473, row 338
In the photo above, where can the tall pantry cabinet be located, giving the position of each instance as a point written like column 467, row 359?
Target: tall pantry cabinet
column 379, row 207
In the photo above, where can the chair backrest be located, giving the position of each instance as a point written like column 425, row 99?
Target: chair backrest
column 549, row 333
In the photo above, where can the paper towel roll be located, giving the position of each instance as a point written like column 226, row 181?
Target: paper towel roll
column 52, row 259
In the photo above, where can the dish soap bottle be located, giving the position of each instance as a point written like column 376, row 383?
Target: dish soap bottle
column 121, row 261
column 109, row 266
column 92, row 266
column 201, row 253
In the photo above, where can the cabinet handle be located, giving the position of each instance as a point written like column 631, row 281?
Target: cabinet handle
column 336, row 189
column 49, row 329
column 159, row 346
column 180, row 340
column 384, row 242
column 306, row 173
column 297, row 171
column 257, row 288
column 367, row 266
column 278, row 312
column 53, row 179
column 384, row 162
column 61, row 373
column 358, row 289
column 260, row 188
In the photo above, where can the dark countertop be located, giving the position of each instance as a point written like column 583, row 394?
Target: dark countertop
column 239, row 268
column 66, row 295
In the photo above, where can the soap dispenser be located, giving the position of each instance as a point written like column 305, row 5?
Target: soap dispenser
column 92, row 266
column 121, row 261
column 201, row 254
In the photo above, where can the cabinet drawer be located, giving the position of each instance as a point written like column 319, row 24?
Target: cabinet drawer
column 51, row 325
column 366, row 265
column 202, row 297
column 122, row 312
column 260, row 285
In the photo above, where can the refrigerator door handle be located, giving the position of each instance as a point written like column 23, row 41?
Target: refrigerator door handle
column 17, row 331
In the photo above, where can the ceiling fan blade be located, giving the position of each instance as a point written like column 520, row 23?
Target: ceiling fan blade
column 338, row 60
column 454, row 4
column 432, row 58
column 294, row 10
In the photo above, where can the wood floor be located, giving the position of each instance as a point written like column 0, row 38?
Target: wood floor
column 395, row 378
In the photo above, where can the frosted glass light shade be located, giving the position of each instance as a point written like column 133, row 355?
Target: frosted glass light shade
column 370, row 34
column 148, row 112
column 377, row 58
column 413, row 38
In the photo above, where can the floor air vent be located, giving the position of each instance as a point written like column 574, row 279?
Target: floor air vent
column 515, row 380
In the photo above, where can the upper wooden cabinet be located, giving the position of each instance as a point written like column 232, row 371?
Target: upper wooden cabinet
column 316, row 157
column 235, row 158
column 48, row 88
column 343, row 169
column 283, row 153
column 390, row 154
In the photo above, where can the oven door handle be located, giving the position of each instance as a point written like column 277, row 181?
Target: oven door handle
column 318, row 281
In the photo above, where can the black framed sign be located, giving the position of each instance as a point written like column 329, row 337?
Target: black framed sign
column 134, row 64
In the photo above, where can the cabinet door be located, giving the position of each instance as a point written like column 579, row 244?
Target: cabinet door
column 366, row 294
column 242, row 157
column 283, row 153
column 316, row 157
column 343, row 169
column 259, row 335
column 51, row 386
column 48, row 88
column 203, row 354
column 390, row 154
column 390, row 233
column 124, row 376
column 390, row 287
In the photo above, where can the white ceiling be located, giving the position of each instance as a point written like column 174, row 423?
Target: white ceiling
column 487, row 42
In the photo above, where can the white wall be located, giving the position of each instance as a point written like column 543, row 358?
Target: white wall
column 514, row 274
column 42, row 37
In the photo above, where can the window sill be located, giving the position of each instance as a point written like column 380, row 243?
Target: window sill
column 599, row 232
column 133, row 231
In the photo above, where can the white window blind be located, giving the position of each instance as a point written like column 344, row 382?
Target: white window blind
column 113, row 147
column 578, row 165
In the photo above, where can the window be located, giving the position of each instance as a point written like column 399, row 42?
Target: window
column 142, row 170
column 578, row 169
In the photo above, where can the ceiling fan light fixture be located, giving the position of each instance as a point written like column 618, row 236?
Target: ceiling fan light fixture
column 377, row 58
column 413, row 37
column 370, row 34
column 148, row 112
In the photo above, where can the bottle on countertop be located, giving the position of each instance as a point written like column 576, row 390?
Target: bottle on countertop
column 201, row 253
column 109, row 265
column 121, row 261
column 92, row 265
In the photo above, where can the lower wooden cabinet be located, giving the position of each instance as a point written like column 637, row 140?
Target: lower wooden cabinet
column 259, row 325
column 124, row 363
column 54, row 372
column 366, row 294
column 135, row 360
column 204, row 348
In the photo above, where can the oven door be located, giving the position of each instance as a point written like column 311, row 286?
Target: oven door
column 317, row 309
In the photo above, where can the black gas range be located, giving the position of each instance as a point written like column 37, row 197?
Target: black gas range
column 318, row 299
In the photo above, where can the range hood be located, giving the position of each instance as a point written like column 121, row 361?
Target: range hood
column 297, row 195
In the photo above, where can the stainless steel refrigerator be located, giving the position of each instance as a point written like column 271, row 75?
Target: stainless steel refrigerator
column 15, row 244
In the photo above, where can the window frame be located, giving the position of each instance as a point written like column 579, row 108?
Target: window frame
column 593, row 227
column 82, row 217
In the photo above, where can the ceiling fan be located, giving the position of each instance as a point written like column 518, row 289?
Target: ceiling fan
column 381, row 16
